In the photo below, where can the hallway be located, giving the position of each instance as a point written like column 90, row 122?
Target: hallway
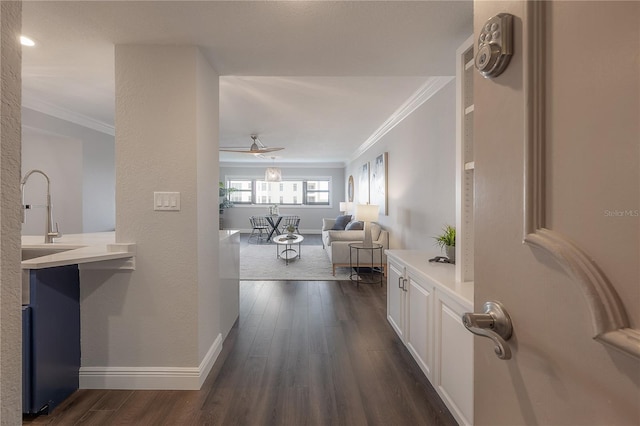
column 316, row 352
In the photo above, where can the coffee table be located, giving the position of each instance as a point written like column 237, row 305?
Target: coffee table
column 288, row 241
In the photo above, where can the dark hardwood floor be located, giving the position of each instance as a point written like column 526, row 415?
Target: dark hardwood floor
column 301, row 353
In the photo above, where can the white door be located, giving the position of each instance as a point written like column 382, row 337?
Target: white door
column 570, row 184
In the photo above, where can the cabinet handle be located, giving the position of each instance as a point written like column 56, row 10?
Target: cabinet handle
column 404, row 286
column 399, row 281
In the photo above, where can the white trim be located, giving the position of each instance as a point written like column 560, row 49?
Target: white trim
column 160, row 378
column 314, row 165
column 426, row 91
column 609, row 319
column 67, row 115
column 209, row 359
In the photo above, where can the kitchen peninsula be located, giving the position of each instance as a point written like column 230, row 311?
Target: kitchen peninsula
column 73, row 249
column 51, row 310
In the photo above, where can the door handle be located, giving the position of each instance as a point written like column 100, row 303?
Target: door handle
column 494, row 323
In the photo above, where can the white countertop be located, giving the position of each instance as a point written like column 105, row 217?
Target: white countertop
column 74, row 249
column 227, row 233
column 441, row 273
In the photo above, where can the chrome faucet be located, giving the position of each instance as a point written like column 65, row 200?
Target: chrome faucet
column 49, row 234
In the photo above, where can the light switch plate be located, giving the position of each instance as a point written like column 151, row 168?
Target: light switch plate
column 166, row 201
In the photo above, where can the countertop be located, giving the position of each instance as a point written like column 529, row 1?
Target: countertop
column 441, row 273
column 73, row 249
column 227, row 233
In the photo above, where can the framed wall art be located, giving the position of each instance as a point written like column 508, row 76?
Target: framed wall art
column 350, row 190
column 363, row 184
column 378, row 187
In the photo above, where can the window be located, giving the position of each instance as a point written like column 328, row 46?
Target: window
column 288, row 192
column 316, row 192
column 242, row 193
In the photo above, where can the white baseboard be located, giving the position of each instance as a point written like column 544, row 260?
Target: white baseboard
column 158, row 378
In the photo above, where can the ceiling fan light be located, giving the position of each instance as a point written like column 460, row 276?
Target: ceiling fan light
column 273, row 174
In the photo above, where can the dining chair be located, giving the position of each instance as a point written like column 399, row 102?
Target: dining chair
column 259, row 229
column 290, row 220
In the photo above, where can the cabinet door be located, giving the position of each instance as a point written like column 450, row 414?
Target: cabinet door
column 419, row 327
column 55, row 336
column 395, row 298
column 454, row 358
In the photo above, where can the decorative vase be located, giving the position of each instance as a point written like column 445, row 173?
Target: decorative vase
column 451, row 253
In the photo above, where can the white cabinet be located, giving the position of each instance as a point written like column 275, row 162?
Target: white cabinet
column 454, row 357
column 229, row 280
column 419, row 327
column 409, row 311
column 395, row 297
column 424, row 306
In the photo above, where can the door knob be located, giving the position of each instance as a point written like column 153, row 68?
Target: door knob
column 494, row 323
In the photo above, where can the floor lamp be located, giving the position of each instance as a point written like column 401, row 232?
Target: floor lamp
column 367, row 213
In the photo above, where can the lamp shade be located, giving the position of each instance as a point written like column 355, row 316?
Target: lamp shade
column 367, row 212
column 273, row 174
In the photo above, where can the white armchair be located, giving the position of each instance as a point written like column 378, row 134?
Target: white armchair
column 336, row 244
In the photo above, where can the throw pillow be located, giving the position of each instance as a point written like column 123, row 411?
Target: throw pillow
column 356, row 225
column 341, row 222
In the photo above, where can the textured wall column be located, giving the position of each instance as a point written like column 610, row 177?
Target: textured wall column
column 10, row 288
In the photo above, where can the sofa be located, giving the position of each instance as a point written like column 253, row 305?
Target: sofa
column 336, row 244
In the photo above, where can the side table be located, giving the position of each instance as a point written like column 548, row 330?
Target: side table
column 361, row 255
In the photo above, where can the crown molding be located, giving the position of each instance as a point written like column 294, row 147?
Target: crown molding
column 67, row 115
column 316, row 165
column 423, row 94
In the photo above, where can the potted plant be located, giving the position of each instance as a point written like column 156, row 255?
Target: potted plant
column 290, row 229
column 447, row 242
column 223, row 193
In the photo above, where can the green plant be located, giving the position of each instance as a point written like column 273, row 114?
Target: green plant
column 291, row 228
column 223, row 193
column 447, row 238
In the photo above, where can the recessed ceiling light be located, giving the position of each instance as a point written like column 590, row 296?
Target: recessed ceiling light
column 26, row 41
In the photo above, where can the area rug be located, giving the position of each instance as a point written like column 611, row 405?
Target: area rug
column 258, row 262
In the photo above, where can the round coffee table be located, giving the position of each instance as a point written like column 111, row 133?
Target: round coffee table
column 288, row 242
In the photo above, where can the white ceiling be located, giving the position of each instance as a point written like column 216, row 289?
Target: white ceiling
column 315, row 77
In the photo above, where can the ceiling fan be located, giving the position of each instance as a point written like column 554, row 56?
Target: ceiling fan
column 256, row 148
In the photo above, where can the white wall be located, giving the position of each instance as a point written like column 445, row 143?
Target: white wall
column 99, row 185
column 61, row 159
column 207, row 168
column 164, row 315
column 81, row 164
column 237, row 217
column 421, row 173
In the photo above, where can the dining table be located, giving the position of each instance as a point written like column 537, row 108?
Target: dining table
column 274, row 222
